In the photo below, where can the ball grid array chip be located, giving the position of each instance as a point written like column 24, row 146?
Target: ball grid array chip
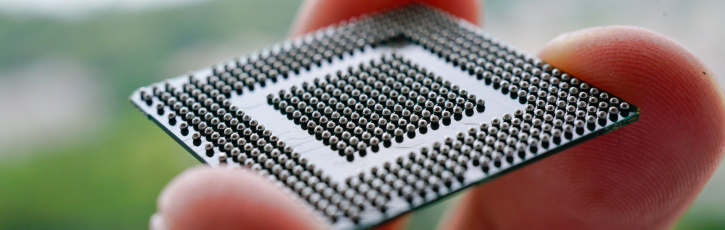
column 363, row 139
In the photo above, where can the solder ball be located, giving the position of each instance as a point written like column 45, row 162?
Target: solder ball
column 422, row 123
column 387, row 136
column 349, row 151
column 398, row 132
column 602, row 114
column 624, row 106
column 374, row 141
column 410, row 128
column 613, row 110
column 591, row 119
column 362, row 145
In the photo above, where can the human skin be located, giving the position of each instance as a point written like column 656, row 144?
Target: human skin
column 642, row 176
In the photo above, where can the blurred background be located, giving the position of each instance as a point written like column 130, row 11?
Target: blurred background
column 74, row 153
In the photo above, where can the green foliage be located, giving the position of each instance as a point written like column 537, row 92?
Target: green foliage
column 113, row 181
column 111, row 184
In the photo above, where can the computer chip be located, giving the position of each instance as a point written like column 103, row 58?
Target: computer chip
column 380, row 115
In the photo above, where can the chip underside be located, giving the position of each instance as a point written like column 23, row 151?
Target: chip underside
column 375, row 117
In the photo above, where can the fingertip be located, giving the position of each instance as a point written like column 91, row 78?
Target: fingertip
column 647, row 69
column 316, row 14
column 177, row 184
column 221, row 198
column 157, row 222
column 677, row 93
column 468, row 10
column 680, row 134
column 641, row 176
column 564, row 48
column 398, row 223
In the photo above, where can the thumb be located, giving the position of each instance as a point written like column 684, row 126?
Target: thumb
column 222, row 198
column 642, row 176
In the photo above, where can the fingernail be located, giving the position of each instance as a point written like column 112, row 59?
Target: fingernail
column 561, row 45
column 563, row 38
column 157, row 222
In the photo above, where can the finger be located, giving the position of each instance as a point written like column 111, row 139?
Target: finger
column 217, row 198
column 642, row 176
column 398, row 223
column 315, row 14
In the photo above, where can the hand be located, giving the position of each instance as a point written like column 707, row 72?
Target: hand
column 643, row 176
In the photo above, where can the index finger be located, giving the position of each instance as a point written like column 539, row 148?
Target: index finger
column 642, row 176
column 315, row 14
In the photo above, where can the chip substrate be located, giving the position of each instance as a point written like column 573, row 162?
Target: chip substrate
column 379, row 115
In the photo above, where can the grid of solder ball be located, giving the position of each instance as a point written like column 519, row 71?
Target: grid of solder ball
column 201, row 108
column 259, row 69
column 227, row 132
column 381, row 101
column 523, row 76
column 557, row 105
